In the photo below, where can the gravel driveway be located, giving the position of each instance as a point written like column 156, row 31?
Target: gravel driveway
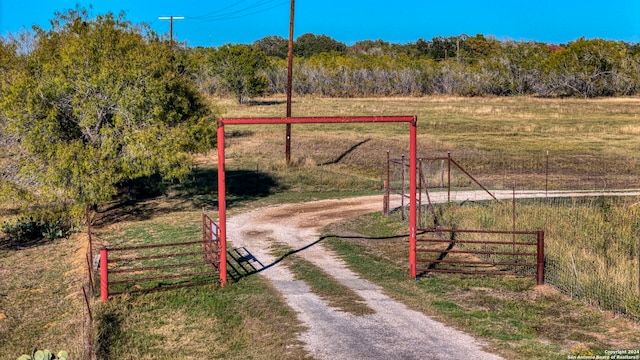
column 393, row 331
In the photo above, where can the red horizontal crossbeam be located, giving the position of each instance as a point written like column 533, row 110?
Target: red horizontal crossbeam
column 316, row 120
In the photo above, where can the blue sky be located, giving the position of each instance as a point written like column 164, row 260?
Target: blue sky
column 216, row 22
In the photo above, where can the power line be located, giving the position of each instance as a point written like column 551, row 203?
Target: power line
column 171, row 18
column 251, row 9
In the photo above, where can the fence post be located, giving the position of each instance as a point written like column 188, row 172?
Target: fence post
column 90, row 270
column 385, row 199
column 540, row 258
column 387, row 183
column 104, row 275
column 402, row 179
column 448, row 176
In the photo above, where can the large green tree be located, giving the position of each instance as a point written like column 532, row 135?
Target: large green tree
column 307, row 45
column 97, row 101
column 590, row 68
column 241, row 69
column 273, row 46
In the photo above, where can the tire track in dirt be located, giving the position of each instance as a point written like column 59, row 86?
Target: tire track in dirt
column 393, row 331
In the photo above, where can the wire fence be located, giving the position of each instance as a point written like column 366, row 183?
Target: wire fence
column 592, row 246
column 548, row 170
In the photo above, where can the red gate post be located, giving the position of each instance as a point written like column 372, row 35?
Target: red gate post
column 412, row 196
column 222, row 205
column 540, row 258
column 313, row 120
column 104, row 275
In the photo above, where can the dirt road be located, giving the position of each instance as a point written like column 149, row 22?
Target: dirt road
column 393, row 331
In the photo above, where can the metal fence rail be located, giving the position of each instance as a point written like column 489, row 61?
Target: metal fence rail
column 154, row 267
column 487, row 257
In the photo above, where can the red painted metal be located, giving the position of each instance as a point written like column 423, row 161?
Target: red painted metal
column 474, row 272
column 137, row 291
column 538, row 254
column 155, row 257
column 439, row 251
column 412, row 197
column 211, row 241
column 508, row 232
column 159, row 267
column 483, row 263
column 104, row 275
column 222, row 207
column 316, row 120
column 478, row 241
column 163, row 277
column 210, row 253
column 540, row 258
column 127, row 248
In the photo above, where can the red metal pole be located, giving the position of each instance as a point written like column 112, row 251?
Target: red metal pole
column 222, row 205
column 540, row 259
column 412, row 197
column 419, row 189
column 402, row 178
column 104, row 275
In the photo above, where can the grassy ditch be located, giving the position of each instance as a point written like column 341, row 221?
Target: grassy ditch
column 519, row 319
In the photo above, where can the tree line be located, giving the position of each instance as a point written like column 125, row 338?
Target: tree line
column 461, row 65
column 96, row 102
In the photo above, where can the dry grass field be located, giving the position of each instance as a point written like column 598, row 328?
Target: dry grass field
column 503, row 142
column 586, row 143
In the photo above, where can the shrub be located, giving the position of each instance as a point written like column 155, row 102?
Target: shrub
column 24, row 229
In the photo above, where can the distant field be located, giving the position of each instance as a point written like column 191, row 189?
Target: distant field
column 503, row 142
column 586, row 143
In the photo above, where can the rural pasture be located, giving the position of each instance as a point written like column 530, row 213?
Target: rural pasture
column 516, row 143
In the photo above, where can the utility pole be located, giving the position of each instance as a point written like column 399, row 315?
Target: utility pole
column 289, row 83
column 171, row 18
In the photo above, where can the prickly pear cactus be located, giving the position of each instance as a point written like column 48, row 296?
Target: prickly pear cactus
column 45, row 355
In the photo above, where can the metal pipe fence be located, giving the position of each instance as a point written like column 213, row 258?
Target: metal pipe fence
column 477, row 255
column 167, row 266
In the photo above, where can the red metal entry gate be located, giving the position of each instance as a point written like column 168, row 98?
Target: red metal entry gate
column 411, row 120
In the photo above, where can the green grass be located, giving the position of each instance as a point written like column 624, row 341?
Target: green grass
column 326, row 287
column 518, row 319
column 501, row 141
column 591, row 244
column 196, row 322
column 236, row 322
